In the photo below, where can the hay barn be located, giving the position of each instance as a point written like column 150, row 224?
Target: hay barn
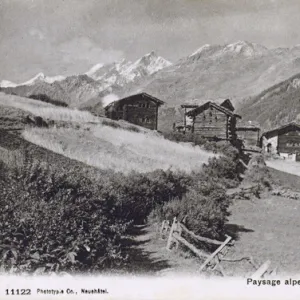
column 249, row 133
column 214, row 121
column 284, row 141
column 140, row 109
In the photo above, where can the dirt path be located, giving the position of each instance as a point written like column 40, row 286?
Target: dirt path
column 290, row 167
column 264, row 229
column 148, row 255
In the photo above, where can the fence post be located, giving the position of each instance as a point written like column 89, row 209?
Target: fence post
column 171, row 234
column 215, row 253
column 262, row 270
column 179, row 232
column 162, row 227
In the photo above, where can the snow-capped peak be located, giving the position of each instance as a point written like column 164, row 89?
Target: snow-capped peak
column 146, row 65
column 152, row 62
column 245, row 48
column 7, row 84
column 39, row 76
column 32, row 81
column 201, row 49
column 94, row 69
column 42, row 77
column 54, row 78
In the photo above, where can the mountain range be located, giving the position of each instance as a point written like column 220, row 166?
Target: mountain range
column 77, row 89
column 276, row 106
column 239, row 71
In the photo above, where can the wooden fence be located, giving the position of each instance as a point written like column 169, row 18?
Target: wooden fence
column 212, row 261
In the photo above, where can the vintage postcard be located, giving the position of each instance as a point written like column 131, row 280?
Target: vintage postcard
column 149, row 149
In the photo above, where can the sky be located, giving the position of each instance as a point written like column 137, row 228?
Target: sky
column 65, row 37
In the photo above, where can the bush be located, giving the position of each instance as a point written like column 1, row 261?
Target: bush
column 47, row 99
column 137, row 194
column 111, row 124
column 258, row 174
column 204, row 210
column 51, row 223
column 188, row 137
column 133, row 128
column 204, row 207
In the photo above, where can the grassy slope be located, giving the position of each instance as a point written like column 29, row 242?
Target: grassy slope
column 120, row 150
column 56, row 162
column 290, row 167
column 268, row 228
column 285, row 179
column 106, row 147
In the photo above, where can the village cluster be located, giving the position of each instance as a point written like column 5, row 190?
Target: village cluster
column 213, row 120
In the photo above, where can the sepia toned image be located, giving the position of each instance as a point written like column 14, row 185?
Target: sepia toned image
column 150, row 149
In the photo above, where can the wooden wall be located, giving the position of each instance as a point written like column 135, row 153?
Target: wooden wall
column 250, row 137
column 138, row 110
column 212, row 123
column 289, row 142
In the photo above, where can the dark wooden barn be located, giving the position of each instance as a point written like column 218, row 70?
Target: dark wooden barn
column 284, row 141
column 214, row 121
column 140, row 109
column 249, row 133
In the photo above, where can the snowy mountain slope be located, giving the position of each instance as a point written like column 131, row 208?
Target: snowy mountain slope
column 123, row 72
column 77, row 89
column 32, row 81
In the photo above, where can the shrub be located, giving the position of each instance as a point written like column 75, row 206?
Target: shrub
column 188, row 137
column 204, row 210
column 137, row 194
column 133, row 128
column 258, row 174
column 111, row 124
column 47, row 99
column 204, row 206
column 51, row 223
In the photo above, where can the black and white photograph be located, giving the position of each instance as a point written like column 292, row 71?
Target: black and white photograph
column 150, row 149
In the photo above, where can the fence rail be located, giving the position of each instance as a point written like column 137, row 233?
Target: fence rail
column 210, row 259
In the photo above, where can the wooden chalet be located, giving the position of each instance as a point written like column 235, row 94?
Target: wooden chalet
column 249, row 133
column 214, row 121
column 284, row 141
column 140, row 109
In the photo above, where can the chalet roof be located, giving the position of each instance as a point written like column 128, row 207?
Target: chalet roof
column 247, row 126
column 205, row 106
column 156, row 100
column 220, row 102
column 290, row 126
column 189, row 106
